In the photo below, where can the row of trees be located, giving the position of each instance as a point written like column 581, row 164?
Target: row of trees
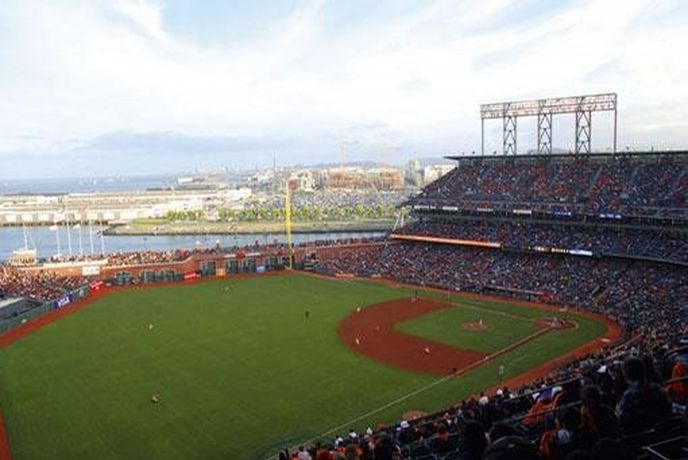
column 192, row 215
column 310, row 213
column 302, row 213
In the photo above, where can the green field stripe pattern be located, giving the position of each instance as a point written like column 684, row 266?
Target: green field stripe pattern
column 241, row 372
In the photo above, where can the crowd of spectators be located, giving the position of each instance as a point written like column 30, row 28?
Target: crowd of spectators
column 628, row 185
column 146, row 257
column 661, row 244
column 365, row 260
column 606, row 405
column 44, row 285
column 340, row 241
column 134, row 257
column 603, row 406
column 625, row 289
column 40, row 286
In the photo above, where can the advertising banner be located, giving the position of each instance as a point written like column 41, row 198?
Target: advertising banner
column 96, row 285
column 62, row 302
column 90, row 270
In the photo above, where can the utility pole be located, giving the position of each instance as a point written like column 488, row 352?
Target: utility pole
column 287, row 222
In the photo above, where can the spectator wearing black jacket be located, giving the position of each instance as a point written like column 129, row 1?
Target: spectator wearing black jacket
column 643, row 404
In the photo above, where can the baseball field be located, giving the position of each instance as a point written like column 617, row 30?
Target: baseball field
column 244, row 367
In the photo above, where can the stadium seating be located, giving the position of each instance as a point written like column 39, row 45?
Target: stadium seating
column 636, row 274
column 39, row 286
column 43, row 286
column 649, row 298
column 628, row 185
column 570, row 410
column 669, row 245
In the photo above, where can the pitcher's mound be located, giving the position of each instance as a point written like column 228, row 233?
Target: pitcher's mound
column 473, row 326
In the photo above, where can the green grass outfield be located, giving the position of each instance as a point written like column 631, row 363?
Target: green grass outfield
column 240, row 371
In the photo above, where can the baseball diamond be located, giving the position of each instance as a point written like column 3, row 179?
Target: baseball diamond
column 209, row 341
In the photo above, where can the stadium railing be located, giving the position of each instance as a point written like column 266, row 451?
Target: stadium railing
column 8, row 324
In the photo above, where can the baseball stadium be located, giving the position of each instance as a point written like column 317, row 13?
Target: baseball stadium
column 519, row 300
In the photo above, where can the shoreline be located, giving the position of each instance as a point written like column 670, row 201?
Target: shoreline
column 143, row 228
column 246, row 228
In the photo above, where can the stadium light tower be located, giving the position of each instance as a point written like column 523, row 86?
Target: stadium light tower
column 545, row 109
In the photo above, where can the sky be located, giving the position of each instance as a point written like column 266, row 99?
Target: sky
column 123, row 87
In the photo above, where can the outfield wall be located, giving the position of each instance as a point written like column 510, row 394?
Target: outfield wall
column 196, row 262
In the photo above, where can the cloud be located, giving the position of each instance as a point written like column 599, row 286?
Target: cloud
column 147, row 14
column 111, row 75
column 172, row 143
